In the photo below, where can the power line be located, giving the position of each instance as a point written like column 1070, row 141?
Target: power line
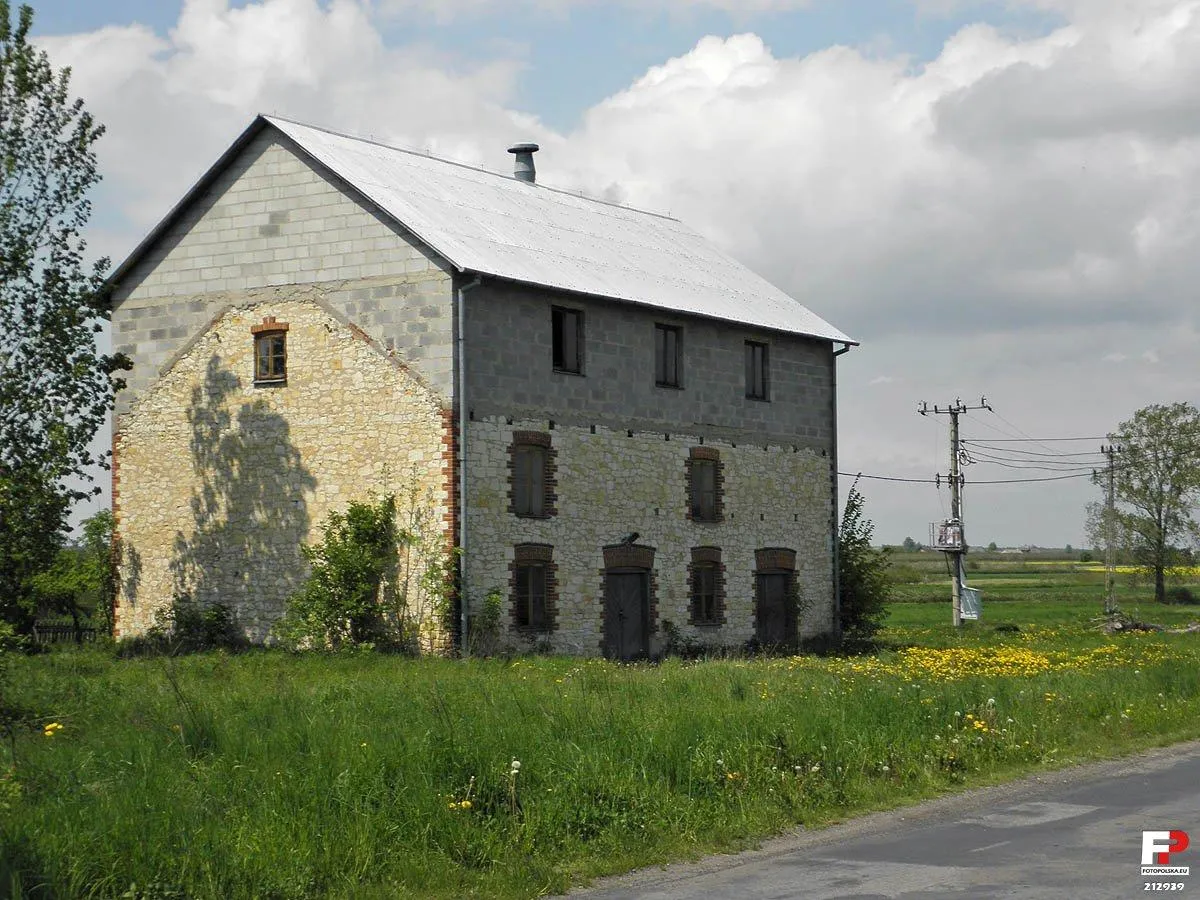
column 939, row 482
column 1042, row 440
column 887, row 478
column 988, row 446
column 1026, row 480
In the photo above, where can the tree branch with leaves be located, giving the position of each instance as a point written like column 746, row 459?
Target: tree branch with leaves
column 55, row 386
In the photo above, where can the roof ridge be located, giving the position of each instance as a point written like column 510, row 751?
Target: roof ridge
column 462, row 165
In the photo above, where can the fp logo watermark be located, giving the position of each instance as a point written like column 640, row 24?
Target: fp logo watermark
column 1157, row 849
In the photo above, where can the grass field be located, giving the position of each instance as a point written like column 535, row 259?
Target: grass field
column 266, row 775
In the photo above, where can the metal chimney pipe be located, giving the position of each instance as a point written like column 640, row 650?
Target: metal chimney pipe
column 523, row 169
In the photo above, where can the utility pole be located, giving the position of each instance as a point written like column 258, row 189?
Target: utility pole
column 957, row 546
column 1110, row 553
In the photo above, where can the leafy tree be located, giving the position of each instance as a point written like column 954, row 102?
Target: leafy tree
column 910, row 546
column 1157, row 486
column 82, row 581
column 863, row 584
column 55, row 387
column 992, row 548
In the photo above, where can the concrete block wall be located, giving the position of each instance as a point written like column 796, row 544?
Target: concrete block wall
column 610, row 483
column 271, row 220
column 510, row 371
column 218, row 481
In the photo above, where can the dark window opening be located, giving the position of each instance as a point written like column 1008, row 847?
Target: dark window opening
column 270, row 356
column 704, row 594
column 667, row 355
column 568, row 340
column 531, row 596
column 756, row 370
column 704, row 490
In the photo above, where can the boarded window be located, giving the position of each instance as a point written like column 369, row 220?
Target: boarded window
column 568, row 339
column 668, row 357
column 531, row 596
column 704, row 490
column 270, row 356
column 756, row 370
column 529, row 481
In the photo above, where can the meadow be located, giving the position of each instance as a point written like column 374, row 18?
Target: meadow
column 270, row 775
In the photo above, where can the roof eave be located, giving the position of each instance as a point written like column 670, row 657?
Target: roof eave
column 842, row 339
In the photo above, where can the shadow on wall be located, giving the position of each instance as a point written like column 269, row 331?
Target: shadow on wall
column 250, row 509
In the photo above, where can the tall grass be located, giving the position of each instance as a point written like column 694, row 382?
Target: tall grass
column 266, row 775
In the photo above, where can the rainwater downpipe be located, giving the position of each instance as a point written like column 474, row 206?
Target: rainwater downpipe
column 837, row 562
column 460, row 351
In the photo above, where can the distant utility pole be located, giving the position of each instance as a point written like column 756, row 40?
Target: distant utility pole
column 957, row 543
column 1110, row 552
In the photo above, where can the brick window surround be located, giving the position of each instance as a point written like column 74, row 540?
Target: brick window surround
column 705, row 481
column 532, row 475
column 623, row 558
column 270, row 351
column 533, row 589
column 706, row 573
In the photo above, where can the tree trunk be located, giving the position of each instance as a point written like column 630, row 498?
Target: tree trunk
column 1160, row 591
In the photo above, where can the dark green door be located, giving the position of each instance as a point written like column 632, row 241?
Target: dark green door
column 626, row 615
column 774, row 613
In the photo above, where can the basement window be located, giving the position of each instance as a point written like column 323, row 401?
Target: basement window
column 270, row 351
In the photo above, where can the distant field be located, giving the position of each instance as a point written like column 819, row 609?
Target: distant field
column 924, row 577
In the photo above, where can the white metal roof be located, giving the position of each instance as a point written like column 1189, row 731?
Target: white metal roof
column 496, row 225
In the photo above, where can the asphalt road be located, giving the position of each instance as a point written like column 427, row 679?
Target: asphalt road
column 1076, row 833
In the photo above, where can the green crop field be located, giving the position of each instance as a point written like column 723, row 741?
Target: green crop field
column 267, row 775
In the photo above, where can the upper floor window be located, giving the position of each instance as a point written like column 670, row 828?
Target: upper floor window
column 668, row 355
column 705, row 481
column 531, row 475
column 568, row 339
column 270, row 351
column 756, row 371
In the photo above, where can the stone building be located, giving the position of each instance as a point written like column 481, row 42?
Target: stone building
column 627, row 432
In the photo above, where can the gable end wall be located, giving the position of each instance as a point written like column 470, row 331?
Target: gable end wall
column 273, row 220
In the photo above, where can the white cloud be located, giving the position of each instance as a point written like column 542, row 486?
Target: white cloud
column 991, row 222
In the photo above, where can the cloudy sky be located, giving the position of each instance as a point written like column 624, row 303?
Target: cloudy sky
column 995, row 198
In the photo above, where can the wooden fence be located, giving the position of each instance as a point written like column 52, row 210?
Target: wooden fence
column 61, row 634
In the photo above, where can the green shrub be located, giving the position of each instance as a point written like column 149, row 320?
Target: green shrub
column 484, row 633
column 187, row 626
column 1180, row 595
column 864, row 585
column 343, row 602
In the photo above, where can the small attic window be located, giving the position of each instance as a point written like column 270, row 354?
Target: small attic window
column 270, row 351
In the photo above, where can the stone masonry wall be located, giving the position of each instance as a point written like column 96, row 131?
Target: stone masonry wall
column 610, row 483
column 219, row 481
column 272, row 219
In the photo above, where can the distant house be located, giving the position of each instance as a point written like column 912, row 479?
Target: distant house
column 323, row 318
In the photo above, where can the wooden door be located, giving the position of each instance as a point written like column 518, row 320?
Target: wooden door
column 626, row 615
column 775, row 615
